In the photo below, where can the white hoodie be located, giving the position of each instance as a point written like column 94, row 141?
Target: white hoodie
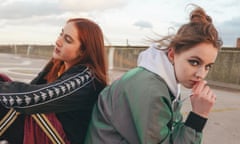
column 156, row 61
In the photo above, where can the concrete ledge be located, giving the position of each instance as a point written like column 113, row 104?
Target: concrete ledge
column 223, row 85
column 226, row 68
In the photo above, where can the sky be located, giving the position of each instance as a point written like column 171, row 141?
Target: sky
column 123, row 22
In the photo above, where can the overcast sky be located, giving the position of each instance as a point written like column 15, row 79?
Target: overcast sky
column 122, row 21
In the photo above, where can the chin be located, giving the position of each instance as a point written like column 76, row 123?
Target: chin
column 187, row 86
column 55, row 56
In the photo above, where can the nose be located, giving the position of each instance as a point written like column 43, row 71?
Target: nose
column 59, row 41
column 201, row 73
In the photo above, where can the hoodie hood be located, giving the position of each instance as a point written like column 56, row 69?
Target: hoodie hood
column 156, row 61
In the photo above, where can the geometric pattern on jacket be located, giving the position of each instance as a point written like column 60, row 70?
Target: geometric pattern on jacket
column 53, row 91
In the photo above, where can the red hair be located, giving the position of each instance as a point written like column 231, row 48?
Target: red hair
column 92, row 47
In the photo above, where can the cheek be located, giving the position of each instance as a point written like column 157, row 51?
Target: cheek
column 74, row 52
column 182, row 72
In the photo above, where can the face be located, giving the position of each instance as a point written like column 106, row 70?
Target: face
column 192, row 66
column 67, row 46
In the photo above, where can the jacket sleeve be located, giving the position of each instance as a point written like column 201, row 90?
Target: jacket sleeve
column 190, row 131
column 148, row 109
column 159, row 123
column 67, row 93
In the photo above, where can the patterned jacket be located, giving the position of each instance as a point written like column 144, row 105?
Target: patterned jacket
column 71, row 97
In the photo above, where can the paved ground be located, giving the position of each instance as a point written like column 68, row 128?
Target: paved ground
column 223, row 125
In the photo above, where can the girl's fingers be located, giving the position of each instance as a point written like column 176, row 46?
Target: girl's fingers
column 197, row 89
column 214, row 97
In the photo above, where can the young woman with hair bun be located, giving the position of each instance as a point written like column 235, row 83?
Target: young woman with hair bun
column 143, row 106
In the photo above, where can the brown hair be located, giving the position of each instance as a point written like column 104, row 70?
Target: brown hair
column 93, row 51
column 199, row 29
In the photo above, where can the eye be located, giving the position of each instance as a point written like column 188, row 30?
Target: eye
column 208, row 67
column 194, row 62
column 68, row 39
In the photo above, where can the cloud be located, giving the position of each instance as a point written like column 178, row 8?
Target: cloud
column 119, row 18
column 230, row 31
column 143, row 24
column 51, row 12
column 91, row 5
column 24, row 9
column 19, row 9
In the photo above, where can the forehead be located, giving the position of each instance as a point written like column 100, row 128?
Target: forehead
column 204, row 51
column 70, row 29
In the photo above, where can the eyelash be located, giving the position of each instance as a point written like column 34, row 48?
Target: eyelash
column 65, row 38
column 196, row 63
column 193, row 62
column 208, row 67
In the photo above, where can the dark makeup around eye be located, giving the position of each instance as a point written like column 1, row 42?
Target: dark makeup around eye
column 200, row 61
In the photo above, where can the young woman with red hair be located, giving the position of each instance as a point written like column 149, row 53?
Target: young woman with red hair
column 57, row 104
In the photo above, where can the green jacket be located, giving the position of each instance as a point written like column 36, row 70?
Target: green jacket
column 139, row 109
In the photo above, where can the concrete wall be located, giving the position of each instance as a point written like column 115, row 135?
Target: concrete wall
column 226, row 70
column 238, row 43
column 124, row 58
column 41, row 51
column 225, row 73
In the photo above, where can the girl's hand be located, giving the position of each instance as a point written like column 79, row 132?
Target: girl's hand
column 202, row 99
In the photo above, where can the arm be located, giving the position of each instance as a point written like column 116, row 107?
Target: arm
column 202, row 101
column 67, row 93
column 140, row 111
column 189, row 131
column 158, row 123
column 162, row 127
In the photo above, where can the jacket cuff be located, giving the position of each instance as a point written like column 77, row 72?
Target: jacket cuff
column 195, row 121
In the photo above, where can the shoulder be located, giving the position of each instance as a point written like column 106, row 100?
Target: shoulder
column 141, row 76
column 139, row 81
column 77, row 71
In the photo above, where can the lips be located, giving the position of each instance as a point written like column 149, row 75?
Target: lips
column 57, row 51
column 192, row 82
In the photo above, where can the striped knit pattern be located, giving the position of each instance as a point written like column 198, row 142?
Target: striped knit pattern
column 48, row 129
column 7, row 120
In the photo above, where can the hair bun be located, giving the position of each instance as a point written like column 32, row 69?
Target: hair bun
column 199, row 16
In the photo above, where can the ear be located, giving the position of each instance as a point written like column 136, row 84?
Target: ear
column 170, row 54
